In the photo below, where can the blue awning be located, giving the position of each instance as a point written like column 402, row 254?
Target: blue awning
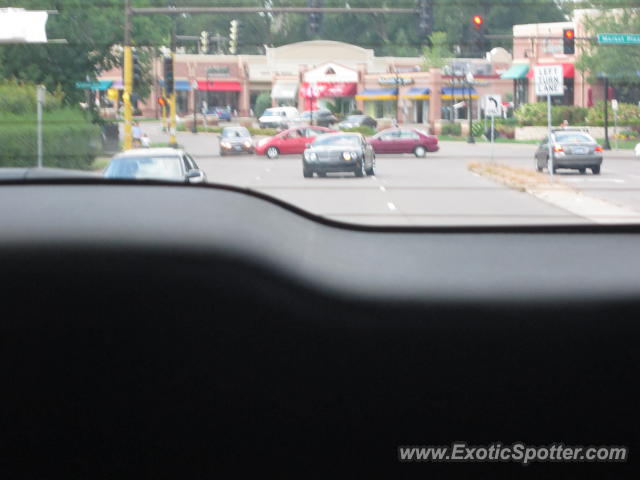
column 417, row 93
column 180, row 85
column 449, row 93
column 516, row 72
column 99, row 85
column 378, row 94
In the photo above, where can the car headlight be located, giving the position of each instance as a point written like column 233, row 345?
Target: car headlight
column 310, row 156
column 346, row 156
column 354, row 155
column 225, row 145
column 247, row 144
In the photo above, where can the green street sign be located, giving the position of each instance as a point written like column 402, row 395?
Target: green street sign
column 619, row 39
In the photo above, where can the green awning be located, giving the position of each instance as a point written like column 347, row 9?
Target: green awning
column 516, row 72
column 100, row 85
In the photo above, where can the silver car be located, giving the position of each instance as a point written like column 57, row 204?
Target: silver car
column 574, row 149
column 164, row 164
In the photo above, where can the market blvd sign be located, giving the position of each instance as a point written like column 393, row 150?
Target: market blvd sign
column 619, row 39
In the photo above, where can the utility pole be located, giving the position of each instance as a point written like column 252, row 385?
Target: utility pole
column 607, row 145
column 128, row 76
column 172, row 99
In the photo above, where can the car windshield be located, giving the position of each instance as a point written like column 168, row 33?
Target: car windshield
column 573, row 138
column 336, row 141
column 151, row 168
column 235, row 132
column 454, row 98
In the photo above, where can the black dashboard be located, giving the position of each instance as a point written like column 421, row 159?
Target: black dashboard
column 169, row 331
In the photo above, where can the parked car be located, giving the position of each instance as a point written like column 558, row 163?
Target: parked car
column 571, row 148
column 223, row 113
column 278, row 117
column 321, row 117
column 637, row 150
column 355, row 121
column 292, row 141
column 235, row 140
column 339, row 152
column 166, row 164
column 400, row 140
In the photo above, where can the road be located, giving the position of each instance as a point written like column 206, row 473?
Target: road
column 436, row 190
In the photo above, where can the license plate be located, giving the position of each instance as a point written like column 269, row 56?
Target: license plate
column 238, row 147
column 580, row 150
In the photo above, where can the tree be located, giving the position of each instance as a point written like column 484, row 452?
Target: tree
column 620, row 63
column 437, row 55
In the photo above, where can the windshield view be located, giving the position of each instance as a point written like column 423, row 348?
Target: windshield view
column 473, row 113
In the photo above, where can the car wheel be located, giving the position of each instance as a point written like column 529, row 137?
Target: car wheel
column 420, row 151
column 582, row 170
column 596, row 170
column 360, row 171
column 372, row 170
column 306, row 172
column 272, row 152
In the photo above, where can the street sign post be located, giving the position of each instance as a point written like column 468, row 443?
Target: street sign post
column 492, row 108
column 549, row 81
column 614, row 107
column 40, row 97
column 619, row 39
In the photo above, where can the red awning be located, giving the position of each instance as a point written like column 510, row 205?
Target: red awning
column 568, row 69
column 219, row 86
column 329, row 89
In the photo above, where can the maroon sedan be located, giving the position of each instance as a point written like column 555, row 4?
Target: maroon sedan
column 399, row 140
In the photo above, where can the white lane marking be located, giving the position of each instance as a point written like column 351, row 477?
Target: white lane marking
column 382, row 189
column 373, row 177
column 391, row 206
column 258, row 178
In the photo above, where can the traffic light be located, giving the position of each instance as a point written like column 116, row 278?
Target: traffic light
column 204, row 42
column 569, row 41
column 425, row 16
column 477, row 39
column 137, row 72
column 315, row 18
column 233, row 37
column 168, row 74
column 162, row 101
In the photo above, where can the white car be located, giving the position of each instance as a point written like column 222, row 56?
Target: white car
column 279, row 117
column 637, row 150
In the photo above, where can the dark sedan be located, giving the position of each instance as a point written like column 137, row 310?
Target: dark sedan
column 235, row 140
column 339, row 152
column 322, row 118
column 355, row 121
column 413, row 141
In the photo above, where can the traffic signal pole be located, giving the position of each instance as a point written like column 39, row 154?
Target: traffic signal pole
column 172, row 99
column 128, row 77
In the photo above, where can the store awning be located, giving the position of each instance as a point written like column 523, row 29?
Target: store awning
column 378, row 94
column 568, row 70
column 180, row 85
column 285, row 91
column 417, row 93
column 219, row 86
column 449, row 93
column 516, row 72
column 99, row 85
column 328, row 89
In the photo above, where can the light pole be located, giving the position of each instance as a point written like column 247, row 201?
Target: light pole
column 470, row 79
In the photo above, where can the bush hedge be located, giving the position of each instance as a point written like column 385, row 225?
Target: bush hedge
column 18, row 99
column 69, row 140
column 628, row 115
column 454, row 129
column 535, row 114
column 364, row 130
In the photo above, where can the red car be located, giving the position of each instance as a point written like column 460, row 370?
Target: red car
column 398, row 140
column 292, row 141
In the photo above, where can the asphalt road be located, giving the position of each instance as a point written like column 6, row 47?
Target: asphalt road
column 436, row 190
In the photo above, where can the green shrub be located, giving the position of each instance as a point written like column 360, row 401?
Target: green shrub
column 535, row 114
column 69, row 140
column 16, row 98
column 364, row 130
column 263, row 101
column 268, row 132
column 454, row 129
column 628, row 115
